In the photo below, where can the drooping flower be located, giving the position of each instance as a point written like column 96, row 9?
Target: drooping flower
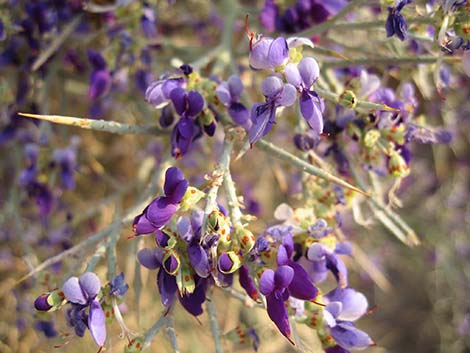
column 86, row 310
column 396, row 23
column 263, row 114
column 159, row 212
column 229, row 94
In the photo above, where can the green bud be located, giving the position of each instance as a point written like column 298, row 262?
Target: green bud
column 348, row 99
column 395, row 134
column 371, row 138
column 246, row 239
column 397, row 166
column 191, row 197
column 219, row 224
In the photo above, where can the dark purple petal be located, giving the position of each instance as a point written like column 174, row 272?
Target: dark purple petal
column 171, row 264
column 160, row 211
column 338, row 268
column 173, row 178
column 90, row 284
column 142, row 225
column 336, row 349
column 266, row 282
column 349, row 337
column 167, row 287
column 179, row 99
column 195, row 103
column 282, row 257
column 301, row 287
column 199, row 260
column 47, row 327
column 97, row 323
column 277, row 311
column 262, row 116
column 100, row 83
column 225, row 263
column 193, row 302
column 149, row 258
column 283, row 277
column 288, row 243
column 278, row 52
column 240, row 115
column 247, row 283
column 41, row 303
column 73, row 292
column 269, row 15
column 96, row 59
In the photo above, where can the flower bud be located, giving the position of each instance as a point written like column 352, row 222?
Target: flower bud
column 229, row 262
column 135, row 345
column 246, row 239
column 371, row 138
column 41, row 303
column 348, row 99
column 395, row 133
column 397, row 166
column 171, row 262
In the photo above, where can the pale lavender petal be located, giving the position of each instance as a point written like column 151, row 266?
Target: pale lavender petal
column 184, row 228
column 316, row 252
column 354, row 303
column 282, row 256
column 97, row 323
column 235, row 86
column 334, row 308
column 288, row 96
column 73, row 292
column 329, row 318
column 266, row 282
column 349, row 337
column 223, row 93
column 271, row 86
column 258, row 58
column 148, row 258
column 90, row 284
column 278, row 52
column 260, row 116
column 293, row 75
column 294, row 42
column 309, row 71
column 301, row 287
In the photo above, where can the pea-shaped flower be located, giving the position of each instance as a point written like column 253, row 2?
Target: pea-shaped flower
column 82, row 292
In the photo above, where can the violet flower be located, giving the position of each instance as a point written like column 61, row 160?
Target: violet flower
column 82, row 293
column 268, row 53
column 159, row 212
column 303, row 76
column 148, row 22
column 66, row 159
column 158, row 92
column 263, row 114
column 323, row 259
column 166, row 282
column 100, row 78
column 229, row 94
column 344, row 307
column 188, row 105
column 396, row 23
column 289, row 279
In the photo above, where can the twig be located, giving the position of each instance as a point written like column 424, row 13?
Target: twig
column 211, row 311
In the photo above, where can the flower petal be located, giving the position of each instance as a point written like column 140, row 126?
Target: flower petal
column 258, row 58
column 278, row 52
column 179, row 97
column 97, row 323
column 288, row 96
column 271, row 86
column 349, row 337
column 73, row 292
column 247, row 283
column 311, row 108
column 195, row 103
column 223, row 93
column 167, row 287
column 193, row 302
column 309, row 71
column 149, row 258
column 293, row 75
column 277, row 311
column 90, row 284
column 160, row 211
column 199, row 260
column 235, row 87
column 266, row 282
column 283, row 277
column 260, row 116
column 301, row 287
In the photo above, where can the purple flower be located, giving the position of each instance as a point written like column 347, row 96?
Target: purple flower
column 188, row 105
column 148, row 22
column 118, row 286
column 47, row 327
column 263, row 114
column 159, row 212
column 303, row 76
column 345, row 306
column 324, row 259
column 82, row 292
column 158, row 92
column 396, row 23
column 229, row 94
column 67, row 161
column 268, row 53
column 289, row 279
column 100, row 78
